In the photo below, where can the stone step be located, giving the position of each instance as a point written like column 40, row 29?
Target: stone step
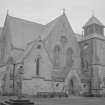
column 18, row 102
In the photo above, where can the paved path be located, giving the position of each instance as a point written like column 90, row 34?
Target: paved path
column 71, row 101
column 66, row 101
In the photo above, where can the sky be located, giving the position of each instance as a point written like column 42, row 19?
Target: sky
column 43, row 11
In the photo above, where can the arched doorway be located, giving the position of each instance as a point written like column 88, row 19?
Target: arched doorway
column 72, row 84
column 71, row 89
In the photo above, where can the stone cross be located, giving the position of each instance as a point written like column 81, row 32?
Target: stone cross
column 63, row 10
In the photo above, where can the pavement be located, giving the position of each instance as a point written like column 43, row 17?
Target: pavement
column 72, row 100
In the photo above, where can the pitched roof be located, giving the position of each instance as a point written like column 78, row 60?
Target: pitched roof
column 93, row 20
column 48, row 27
column 23, row 31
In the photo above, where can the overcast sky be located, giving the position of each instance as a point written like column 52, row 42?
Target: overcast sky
column 43, row 11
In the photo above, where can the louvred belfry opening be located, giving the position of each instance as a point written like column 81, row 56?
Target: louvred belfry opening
column 93, row 26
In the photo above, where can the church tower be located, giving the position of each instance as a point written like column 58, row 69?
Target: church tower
column 93, row 55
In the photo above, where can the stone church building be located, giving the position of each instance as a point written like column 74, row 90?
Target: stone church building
column 51, row 58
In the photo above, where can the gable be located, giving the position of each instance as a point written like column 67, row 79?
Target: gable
column 63, row 35
column 61, row 29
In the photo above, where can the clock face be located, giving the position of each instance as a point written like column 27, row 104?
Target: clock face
column 63, row 40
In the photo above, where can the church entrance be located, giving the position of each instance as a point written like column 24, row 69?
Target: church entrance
column 71, row 87
column 72, row 84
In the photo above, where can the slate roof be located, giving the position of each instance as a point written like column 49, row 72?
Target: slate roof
column 46, row 29
column 93, row 20
column 23, row 31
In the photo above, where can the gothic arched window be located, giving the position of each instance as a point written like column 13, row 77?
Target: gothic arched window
column 69, row 57
column 56, row 56
column 37, row 62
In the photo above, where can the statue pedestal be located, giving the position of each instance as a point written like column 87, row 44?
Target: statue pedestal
column 18, row 101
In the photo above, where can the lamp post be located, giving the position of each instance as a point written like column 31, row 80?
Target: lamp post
column 20, row 72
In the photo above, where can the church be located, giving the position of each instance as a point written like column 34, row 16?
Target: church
column 51, row 58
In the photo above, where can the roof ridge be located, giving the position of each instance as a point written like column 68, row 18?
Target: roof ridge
column 47, row 28
column 53, row 20
column 24, row 20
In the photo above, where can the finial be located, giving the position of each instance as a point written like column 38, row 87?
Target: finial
column 7, row 11
column 63, row 10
